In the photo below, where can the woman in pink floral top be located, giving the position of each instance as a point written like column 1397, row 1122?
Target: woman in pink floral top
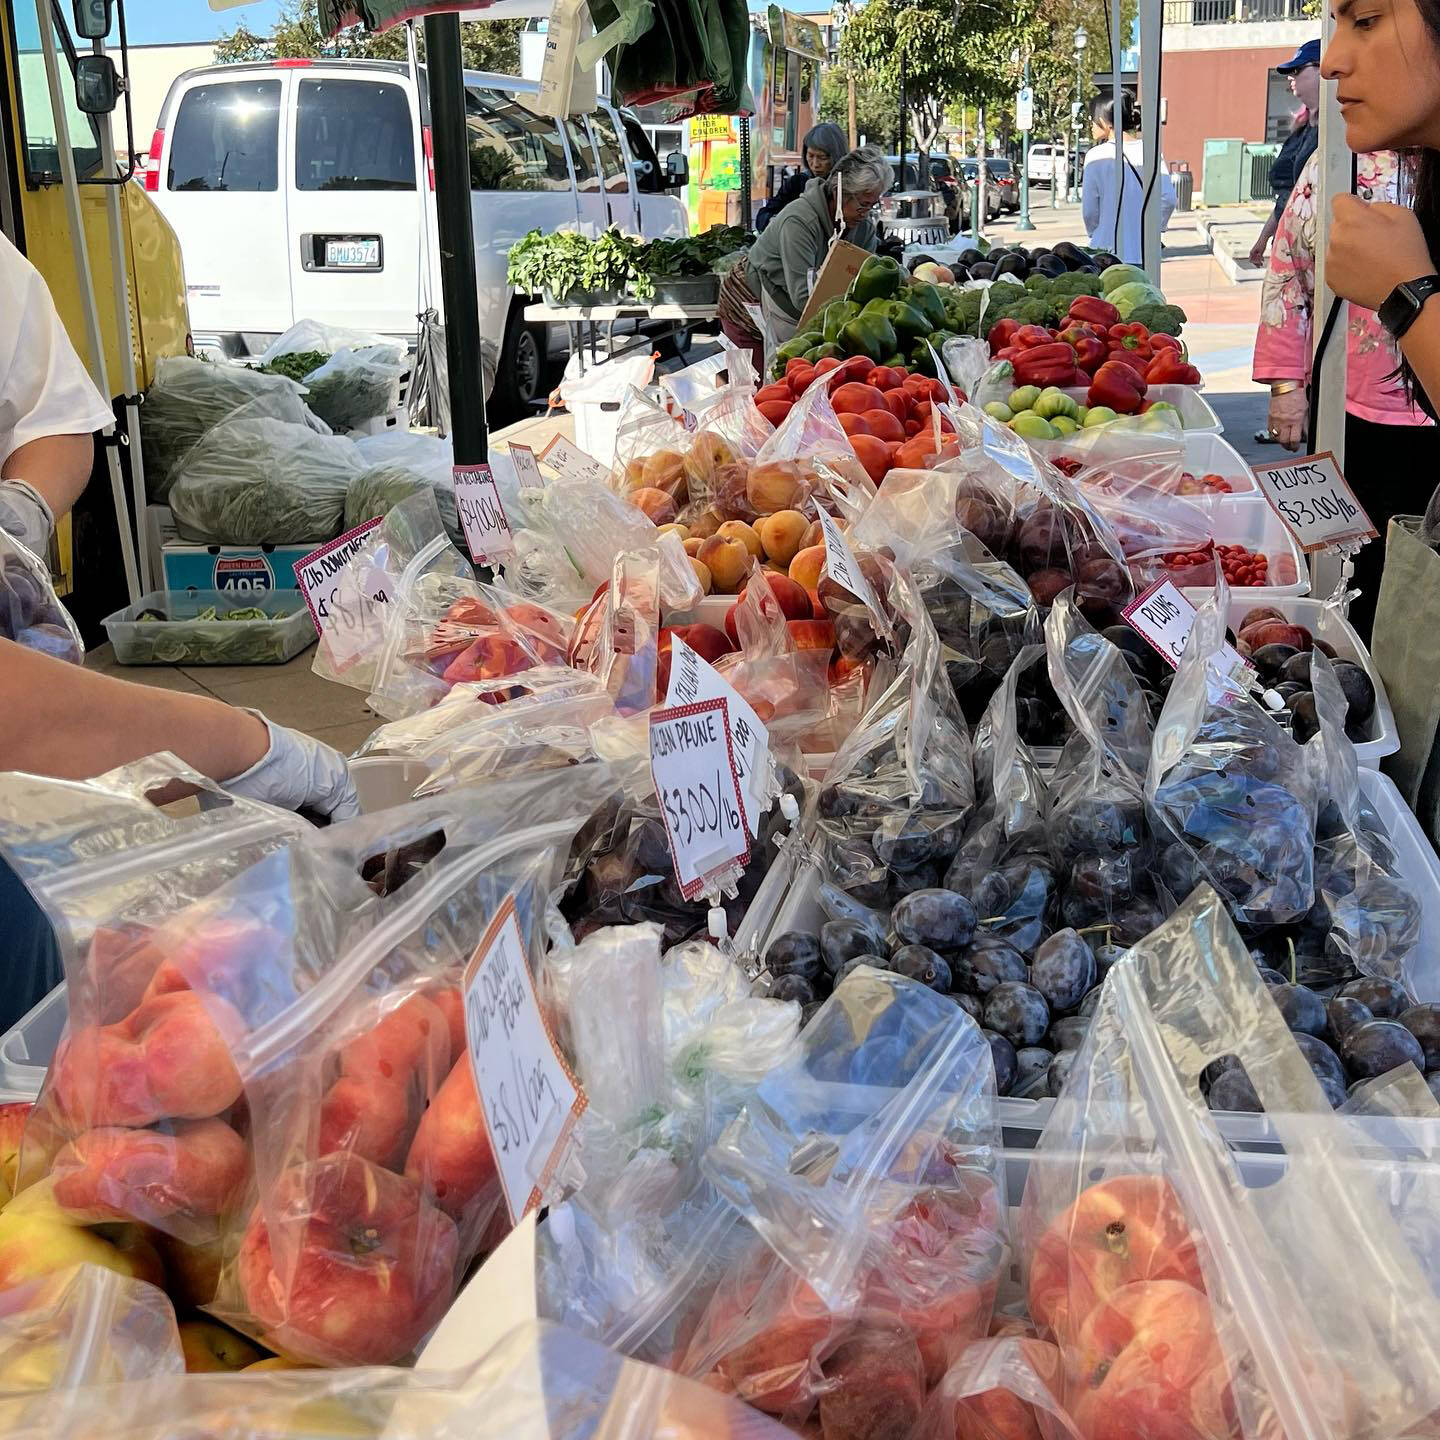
column 1391, row 448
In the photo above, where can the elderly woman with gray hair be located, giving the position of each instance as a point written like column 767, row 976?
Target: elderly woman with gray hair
column 779, row 272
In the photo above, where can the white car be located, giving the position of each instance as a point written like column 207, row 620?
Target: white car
column 292, row 188
column 1044, row 161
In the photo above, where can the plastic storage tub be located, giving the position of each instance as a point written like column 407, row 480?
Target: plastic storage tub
column 1196, row 413
column 1209, row 454
column 184, row 638
column 1248, row 520
column 27, row 1048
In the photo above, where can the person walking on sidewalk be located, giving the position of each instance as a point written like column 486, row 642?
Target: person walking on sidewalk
column 1112, row 195
column 1302, row 69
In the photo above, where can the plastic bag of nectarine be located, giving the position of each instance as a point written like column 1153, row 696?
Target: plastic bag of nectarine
column 1005, row 1388
column 648, row 469
column 1195, row 1290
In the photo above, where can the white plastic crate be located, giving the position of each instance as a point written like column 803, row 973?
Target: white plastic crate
column 1196, row 413
column 1212, row 454
column 1248, row 520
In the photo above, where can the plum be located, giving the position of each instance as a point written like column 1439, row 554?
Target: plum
column 1322, row 1059
column 1063, row 970
column 1359, row 691
column 1275, row 632
column 1344, row 1012
column 941, row 919
column 1007, row 1066
column 1423, row 1022
column 1270, row 660
column 795, row 953
column 1046, row 586
column 1105, row 956
column 1059, row 1071
column 1047, row 537
column 982, row 968
column 1068, row 1033
column 842, row 940
column 1304, row 717
column 1033, row 1060
column 1259, row 615
column 920, row 962
column 1377, row 1046
column 1232, row 1090
column 1301, row 1009
column 1017, row 1011
column 1386, row 999
column 906, row 842
column 1433, row 1081
column 795, row 987
column 1091, row 1001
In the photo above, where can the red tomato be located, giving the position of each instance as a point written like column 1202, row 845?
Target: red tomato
column 913, row 427
column 778, row 392
column 882, row 377
column 825, row 366
column 874, row 456
column 883, row 425
column 853, row 424
column 856, row 399
column 794, row 362
column 857, row 367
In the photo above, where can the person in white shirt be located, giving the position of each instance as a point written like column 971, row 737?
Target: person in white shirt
column 1113, row 185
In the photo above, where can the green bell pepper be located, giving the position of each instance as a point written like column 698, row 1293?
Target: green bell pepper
column 827, row 351
column 871, row 335
column 893, row 361
column 879, row 278
column 835, row 316
column 910, row 325
column 928, row 300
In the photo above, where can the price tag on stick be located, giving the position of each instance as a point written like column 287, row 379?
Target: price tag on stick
column 319, row 574
column 528, row 1095
column 1163, row 618
column 570, row 462
column 1317, row 505
column 487, row 531
column 692, row 761
column 527, row 469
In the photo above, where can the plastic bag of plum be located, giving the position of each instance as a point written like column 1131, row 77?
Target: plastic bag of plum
column 30, row 613
column 1190, row 1287
column 896, row 798
column 1232, row 797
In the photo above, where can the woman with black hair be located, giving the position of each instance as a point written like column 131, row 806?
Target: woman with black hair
column 1112, row 195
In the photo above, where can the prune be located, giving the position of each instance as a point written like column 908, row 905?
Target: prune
column 1272, row 977
column 1093, row 825
column 842, row 940
column 1216, row 1068
column 969, row 1004
column 875, row 962
column 1179, row 871
column 1385, row 999
column 1059, row 1071
column 941, row 919
column 1377, row 1047
column 1301, row 1009
column 1343, row 1012
column 1091, row 1000
column 1423, row 1022
column 795, row 953
column 925, row 878
column 981, row 969
column 1033, row 1060
column 883, row 1060
column 1233, row 1091
column 906, row 842
column 920, row 962
column 1063, row 970
column 1323, row 1060
column 1359, row 692
column 1017, row 1011
column 1269, row 660
column 1304, row 718
column 840, row 904
column 794, row 987
column 1069, row 1032
column 1433, row 1081
column 1138, row 919
column 1007, row 1067
column 1105, row 956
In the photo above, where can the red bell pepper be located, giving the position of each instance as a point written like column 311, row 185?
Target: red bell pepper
column 1002, row 333
column 1161, row 341
column 1050, row 364
column 1030, row 337
column 1118, row 386
column 1167, row 368
column 1133, row 358
column 1130, row 337
column 1088, row 344
column 1093, row 311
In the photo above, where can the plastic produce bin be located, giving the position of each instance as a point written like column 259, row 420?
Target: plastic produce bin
column 27, row 1048
column 1248, row 520
column 184, row 639
column 1196, row 414
column 1207, row 454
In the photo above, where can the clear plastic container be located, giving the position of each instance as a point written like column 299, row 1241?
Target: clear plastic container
column 1210, row 454
column 184, row 638
column 1248, row 520
column 27, row 1048
column 1196, row 413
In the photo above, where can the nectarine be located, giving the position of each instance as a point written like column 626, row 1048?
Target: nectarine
column 808, row 566
column 658, row 505
column 782, row 533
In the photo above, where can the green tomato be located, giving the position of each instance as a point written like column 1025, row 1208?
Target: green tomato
column 1024, row 398
column 1064, row 425
column 1081, row 411
column 1160, row 406
column 997, row 410
column 1032, row 426
column 1053, row 401
column 1099, row 415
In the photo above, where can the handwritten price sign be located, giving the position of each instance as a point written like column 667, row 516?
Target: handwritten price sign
column 1313, row 499
column 530, row 1099
column 844, row 569
column 527, row 469
column 487, row 531
column 692, row 761
column 319, row 576
column 570, row 462
column 1163, row 618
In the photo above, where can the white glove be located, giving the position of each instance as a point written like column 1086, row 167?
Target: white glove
column 25, row 515
column 299, row 773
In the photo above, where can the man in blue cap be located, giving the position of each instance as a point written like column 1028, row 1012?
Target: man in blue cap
column 1302, row 69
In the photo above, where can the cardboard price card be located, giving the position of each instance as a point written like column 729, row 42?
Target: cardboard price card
column 487, row 531
column 844, row 569
column 570, row 462
column 692, row 761
column 692, row 679
column 1313, row 499
column 1163, row 618
column 530, row 1099
column 333, row 607
column 527, row 468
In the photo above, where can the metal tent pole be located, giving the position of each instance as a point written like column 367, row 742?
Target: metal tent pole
column 1151, row 20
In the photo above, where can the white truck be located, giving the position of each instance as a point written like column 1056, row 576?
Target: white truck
column 292, row 185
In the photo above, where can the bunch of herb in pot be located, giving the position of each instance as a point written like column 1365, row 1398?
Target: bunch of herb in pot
column 693, row 254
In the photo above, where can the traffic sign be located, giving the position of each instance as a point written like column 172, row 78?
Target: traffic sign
column 1024, row 108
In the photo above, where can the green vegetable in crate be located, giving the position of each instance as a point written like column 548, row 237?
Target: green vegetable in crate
column 835, row 317
column 1063, row 425
column 1129, row 298
column 795, row 348
column 1053, row 402
column 1099, row 415
column 1033, row 427
column 1024, row 398
column 910, row 325
column 1118, row 275
column 999, row 410
column 296, row 365
column 1039, row 283
column 1161, row 319
column 879, row 278
column 928, row 300
column 871, row 335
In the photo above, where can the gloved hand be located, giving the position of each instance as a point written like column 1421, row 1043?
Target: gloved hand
column 299, row 773
column 25, row 515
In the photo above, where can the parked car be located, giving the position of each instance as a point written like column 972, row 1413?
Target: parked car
column 292, row 188
column 1003, row 174
column 969, row 171
column 1045, row 160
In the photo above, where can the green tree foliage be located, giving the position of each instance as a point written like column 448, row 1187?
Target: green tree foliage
column 875, row 107
column 486, row 44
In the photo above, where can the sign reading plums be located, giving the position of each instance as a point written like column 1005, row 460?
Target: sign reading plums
column 692, row 679
column 487, row 531
column 692, row 760
column 1163, row 618
column 530, row 1099
column 1316, row 503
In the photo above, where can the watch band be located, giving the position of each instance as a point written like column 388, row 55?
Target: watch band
column 1403, row 305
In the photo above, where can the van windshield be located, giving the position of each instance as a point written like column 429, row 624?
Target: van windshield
column 353, row 135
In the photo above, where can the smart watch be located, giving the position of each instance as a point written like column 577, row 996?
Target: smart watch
column 1404, row 303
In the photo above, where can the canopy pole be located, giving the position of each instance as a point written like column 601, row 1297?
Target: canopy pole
column 1151, row 20
column 455, row 224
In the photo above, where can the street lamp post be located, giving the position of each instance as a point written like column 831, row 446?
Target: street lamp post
column 1026, row 223
column 1072, row 188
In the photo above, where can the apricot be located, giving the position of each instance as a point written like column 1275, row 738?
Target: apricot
column 808, row 566
column 745, row 534
column 702, row 574
column 634, row 474
column 692, row 544
column 706, row 454
column 782, row 535
column 730, row 493
column 657, row 504
column 674, row 528
column 728, row 559
column 664, row 470
column 777, row 485
column 813, row 535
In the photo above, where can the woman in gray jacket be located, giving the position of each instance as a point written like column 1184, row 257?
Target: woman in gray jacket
column 784, row 261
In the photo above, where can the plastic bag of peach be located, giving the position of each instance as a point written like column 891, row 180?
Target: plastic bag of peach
column 1189, row 1296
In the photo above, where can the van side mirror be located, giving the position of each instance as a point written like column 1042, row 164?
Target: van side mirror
column 677, row 170
column 97, row 84
column 92, row 19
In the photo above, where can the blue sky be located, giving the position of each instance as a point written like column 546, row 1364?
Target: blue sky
column 154, row 22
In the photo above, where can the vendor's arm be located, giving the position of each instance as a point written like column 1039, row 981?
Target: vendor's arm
column 800, row 263
column 56, row 467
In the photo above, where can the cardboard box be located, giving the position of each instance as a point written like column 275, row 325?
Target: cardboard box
column 841, row 266
column 231, row 567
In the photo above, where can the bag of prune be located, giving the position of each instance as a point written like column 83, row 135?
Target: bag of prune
column 1190, row 1284
column 1231, row 796
column 896, row 798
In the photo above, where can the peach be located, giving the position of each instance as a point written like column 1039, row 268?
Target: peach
column 674, row 528
column 451, row 1005
column 776, row 485
column 808, row 566
column 793, row 599
column 704, row 525
column 365, row 1269
column 728, row 560
column 814, row 535
column 658, row 505
column 692, row 544
column 811, row 634
column 706, row 454
column 702, row 574
column 36, row 1238
column 451, row 1157
column 664, row 470
column 706, row 641
column 209, row 1348
column 370, row 1117
column 174, row 1181
column 166, row 1060
column 745, row 534
column 729, row 494
column 192, row 1271
column 782, row 534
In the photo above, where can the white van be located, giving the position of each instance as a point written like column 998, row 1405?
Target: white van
column 292, row 187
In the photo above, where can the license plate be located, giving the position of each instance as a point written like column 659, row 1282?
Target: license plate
column 352, row 254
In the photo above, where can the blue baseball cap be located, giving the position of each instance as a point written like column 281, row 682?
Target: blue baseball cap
column 1307, row 54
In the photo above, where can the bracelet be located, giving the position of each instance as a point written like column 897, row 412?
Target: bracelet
column 1284, row 387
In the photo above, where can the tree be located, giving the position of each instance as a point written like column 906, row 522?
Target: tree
column 875, row 107
column 485, row 44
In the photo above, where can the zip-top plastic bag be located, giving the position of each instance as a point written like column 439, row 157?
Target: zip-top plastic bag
column 1190, row 1295
column 650, row 446
column 350, row 376
column 1003, row 1388
column 30, row 612
column 1230, row 788
column 402, row 464
column 786, row 470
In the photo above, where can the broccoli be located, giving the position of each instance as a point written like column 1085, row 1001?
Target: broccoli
column 1159, row 319
column 1039, row 283
column 1035, row 311
column 966, row 313
column 1076, row 282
